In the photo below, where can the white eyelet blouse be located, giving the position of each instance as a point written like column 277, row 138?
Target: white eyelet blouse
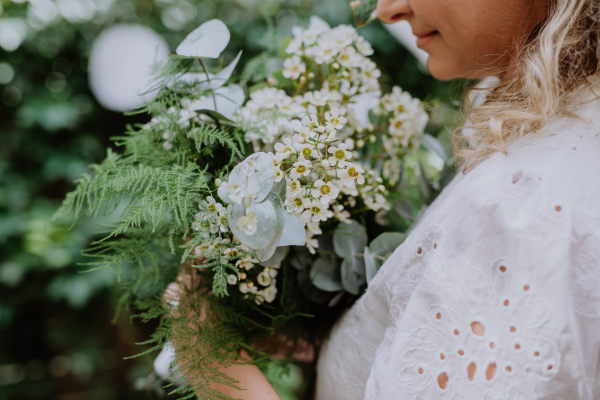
column 495, row 295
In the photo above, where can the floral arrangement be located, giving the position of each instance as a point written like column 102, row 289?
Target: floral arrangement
column 266, row 199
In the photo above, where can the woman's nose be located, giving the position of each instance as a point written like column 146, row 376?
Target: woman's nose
column 390, row 11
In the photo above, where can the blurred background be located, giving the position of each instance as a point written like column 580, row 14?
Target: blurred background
column 60, row 337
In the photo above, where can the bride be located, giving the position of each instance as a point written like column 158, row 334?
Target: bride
column 496, row 292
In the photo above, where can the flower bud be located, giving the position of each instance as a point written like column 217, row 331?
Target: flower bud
column 372, row 138
column 345, row 74
column 370, row 128
column 218, row 182
column 243, row 275
column 311, row 75
column 250, row 285
column 355, row 5
column 325, row 164
column 301, row 139
column 381, row 188
column 302, row 79
column 272, row 81
column 373, row 16
column 360, row 143
column 335, row 65
column 321, row 129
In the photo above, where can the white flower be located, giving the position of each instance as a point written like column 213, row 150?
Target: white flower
column 311, row 122
column 293, row 67
column 349, row 57
column 223, row 224
column 339, row 155
column 318, row 98
column 343, row 35
column 270, row 293
column 318, row 211
column 212, row 205
column 307, row 150
column 295, row 46
column 246, row 262
column 326, row 191
column 231, row 252
column 314, row 227
column 363, row 46
column 248, row 223
column 325, row 50
column 232, row 279
column 264, row 278
column 352, row 173
column 377, row 202
column 341, row 214
column 300, row 168
column 235, row 192
column 296, row 203
column 311, row 243
column 284, row 150
column 273, row 272
column 279, row 175
column 293, row 187
column 244, row 287
column 334, row 118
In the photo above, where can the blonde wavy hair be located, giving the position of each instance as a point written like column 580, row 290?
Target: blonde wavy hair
column 558, row 64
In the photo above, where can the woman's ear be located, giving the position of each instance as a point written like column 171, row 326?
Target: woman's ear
column 389, row 11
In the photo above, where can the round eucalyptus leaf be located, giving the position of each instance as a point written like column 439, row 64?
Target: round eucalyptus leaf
column 384, row 245
column 370, row 265
column 279, row 188
column 325, row 275
column 267, row 224
column 278, row 256
column 353, row 274
column 349, row 239
column 208, row 40
column 267, row 252
column 261, row 179
column 431, row 143
column 280, row 211
column 294, row 233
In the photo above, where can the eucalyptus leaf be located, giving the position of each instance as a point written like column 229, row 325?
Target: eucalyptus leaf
column 353, row 274
column 268, row 251
column 267, row 224
column 228, row 98
column 260, row 183
column 278, row 256
column 214, row 115
column 207, row 41
column 383, row 245
column 219, row 79
column 349, row 239
column 325, row 275
column 426, row 188
column 370, row 265
column 294, row 233
column 279, row 188
column 431, row 143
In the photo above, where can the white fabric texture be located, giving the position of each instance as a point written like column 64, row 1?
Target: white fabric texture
column 495, row 295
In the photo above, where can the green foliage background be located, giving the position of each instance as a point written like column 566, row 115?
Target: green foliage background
column 57, row 336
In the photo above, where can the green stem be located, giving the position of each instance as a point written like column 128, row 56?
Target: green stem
column 208, row 80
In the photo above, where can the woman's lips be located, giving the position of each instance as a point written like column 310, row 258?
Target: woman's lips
column 424, row 38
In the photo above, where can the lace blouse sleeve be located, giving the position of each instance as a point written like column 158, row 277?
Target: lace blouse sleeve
column 496, row 294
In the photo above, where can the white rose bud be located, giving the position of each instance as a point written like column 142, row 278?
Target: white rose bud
column 325, row 164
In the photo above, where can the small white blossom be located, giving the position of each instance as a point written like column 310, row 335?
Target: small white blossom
column 363, row 46
column 284, row 150
column 311, row 243
column 325, row 191
column 293, row 67
column 296, row 203
column 248, row 223
column 341, row 214
column 264, row 278
column 352, row 173
column 349, row 57
column 246, row 262
column 334, row 118
column 339, row 155
column 318, row 211
column 300, row 168
column 293, row 187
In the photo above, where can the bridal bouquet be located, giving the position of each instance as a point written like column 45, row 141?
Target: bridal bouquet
column 275, row 203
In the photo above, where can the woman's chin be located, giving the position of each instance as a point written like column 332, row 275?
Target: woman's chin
column 444, row 70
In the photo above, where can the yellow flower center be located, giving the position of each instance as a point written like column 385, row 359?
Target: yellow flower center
column 306, row 152
column 315, row 209
column 301, row 169
column 398, row 124
column 325, row 190
column 294, row 186
column 352, row 172
column 298, row 202
column 339, row 154
column 400, row 108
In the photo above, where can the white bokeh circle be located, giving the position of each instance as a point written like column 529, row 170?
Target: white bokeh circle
column 121, row 65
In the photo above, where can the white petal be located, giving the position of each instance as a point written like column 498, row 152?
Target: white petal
column 208, row 40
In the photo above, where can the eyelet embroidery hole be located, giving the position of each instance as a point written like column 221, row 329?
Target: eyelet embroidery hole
column 435, row 245
column 456, row 332
column 549, row 367
column 513, row 329
column 502, row 268
column 478, row 328
column 442, row 356
column 506, row 303
column 438, row 316
column 536, row 354
column 492, row 345
column 419, row 250
column 508, row 369
column 526, row 287
column 471, row 370
column 420, row 371
column 443, row 380
column 491, row 371
column 558, row 208
column 461, row 353
column 517, row 346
